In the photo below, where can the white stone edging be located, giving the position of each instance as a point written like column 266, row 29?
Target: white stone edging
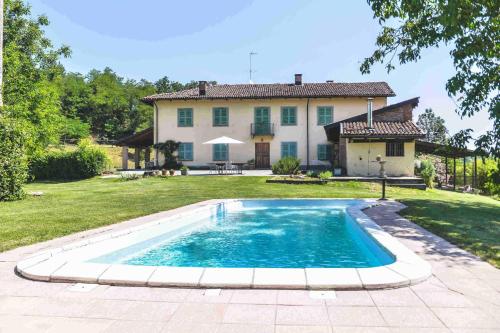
column 66, row 264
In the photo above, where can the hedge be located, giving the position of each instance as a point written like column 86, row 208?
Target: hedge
column 13, row 165
column 85, row 162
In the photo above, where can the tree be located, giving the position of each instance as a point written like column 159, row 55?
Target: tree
column 433, row 126
column 31, row 74
column 472, row 27
column 1, row 54
column 164, row 85
column 168, row 149
column 460, row 139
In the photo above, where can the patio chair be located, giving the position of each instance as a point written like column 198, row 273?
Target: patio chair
column 231, row 168
column 212, row 169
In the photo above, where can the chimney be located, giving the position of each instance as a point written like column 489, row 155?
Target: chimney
column 329, row 81
column 298, row 79
column 202, row 88
column 370, row 113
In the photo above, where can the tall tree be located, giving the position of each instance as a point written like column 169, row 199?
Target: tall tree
column 1, row 53
column 470, row 27
column 433, row 126
column 31, row 74
column 164, row 85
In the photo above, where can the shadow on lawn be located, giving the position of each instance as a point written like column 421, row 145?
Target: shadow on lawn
column 471, row 226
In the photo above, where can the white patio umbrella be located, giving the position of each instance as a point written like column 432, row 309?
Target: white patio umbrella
column 223, row 140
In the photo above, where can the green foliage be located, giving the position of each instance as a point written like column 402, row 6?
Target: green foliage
column 31, row 75
column 13, row 166
column 286, row 166
column 74, row 130
column 488, row 174
column 492, row 182
column 312, row 174
column 433, row 126
column 428, row 172
column 85, row 162
column 470, row 27
column 168, row 149
column 325, row 175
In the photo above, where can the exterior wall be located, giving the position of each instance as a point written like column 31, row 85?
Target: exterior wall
column 402, row 113
column 241, row 116
column 361, row 159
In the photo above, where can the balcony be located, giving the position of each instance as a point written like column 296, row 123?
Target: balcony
column 262, row 129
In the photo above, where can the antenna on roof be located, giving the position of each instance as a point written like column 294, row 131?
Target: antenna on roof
column 250, row 71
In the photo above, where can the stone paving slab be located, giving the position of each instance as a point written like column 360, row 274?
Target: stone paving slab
column 461, row 296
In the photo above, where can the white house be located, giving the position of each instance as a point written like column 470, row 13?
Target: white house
column 322, row 124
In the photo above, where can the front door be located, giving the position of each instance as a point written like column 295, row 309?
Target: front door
column 262, row 159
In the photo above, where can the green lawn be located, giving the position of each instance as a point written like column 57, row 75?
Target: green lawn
column 470, row 221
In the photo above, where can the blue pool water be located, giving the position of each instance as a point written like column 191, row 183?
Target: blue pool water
column 267, row 233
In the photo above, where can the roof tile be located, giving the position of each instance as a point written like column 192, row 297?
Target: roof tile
column 281, row 90
column 380, row 129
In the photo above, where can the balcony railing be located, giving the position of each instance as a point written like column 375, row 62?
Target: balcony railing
column 262, row 129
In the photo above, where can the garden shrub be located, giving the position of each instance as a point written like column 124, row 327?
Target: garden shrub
column 490, row 180
column 286, row 166
column 428, row 172
column 325, row 175
column 13, row 165
column 85, row 162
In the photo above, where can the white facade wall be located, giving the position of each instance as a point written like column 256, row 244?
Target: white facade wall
column 241, row 116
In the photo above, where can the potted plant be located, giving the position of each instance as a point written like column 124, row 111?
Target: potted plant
column 184, row 170
column 251, row 164
column 163, row 172
column 171, row 172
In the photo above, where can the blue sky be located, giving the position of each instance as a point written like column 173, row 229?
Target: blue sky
column 210, row 40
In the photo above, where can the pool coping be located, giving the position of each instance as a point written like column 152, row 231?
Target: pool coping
column 58, row 264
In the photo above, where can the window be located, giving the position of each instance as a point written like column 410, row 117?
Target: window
column 220, row 152
column 288, row 149
column 185, row 151
column 324, row 152
column 220, row 116
column 325, row 115
column 395, row 148
column 288, row 116
column 185, row 117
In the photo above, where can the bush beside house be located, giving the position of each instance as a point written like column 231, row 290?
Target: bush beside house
column 428, row 172
column 85, row 162
column 286, row 166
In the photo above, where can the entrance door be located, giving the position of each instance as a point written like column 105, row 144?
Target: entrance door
column 262, row 159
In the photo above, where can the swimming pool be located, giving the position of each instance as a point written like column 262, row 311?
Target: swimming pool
column 264, row 233
column 271, row 243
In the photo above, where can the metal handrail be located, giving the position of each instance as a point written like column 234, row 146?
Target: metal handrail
column 262, row 129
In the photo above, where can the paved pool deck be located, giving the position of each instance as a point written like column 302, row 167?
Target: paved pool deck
column 463, row 295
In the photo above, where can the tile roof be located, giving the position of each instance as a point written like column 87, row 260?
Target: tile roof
column 380, row 129
column 280, row 90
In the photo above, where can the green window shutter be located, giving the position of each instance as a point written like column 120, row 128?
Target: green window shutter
column 220, row 152
column 324, row 152
column 186, row 151
column 288, row 115
column 262, row 115
column 220, row 116
column 325, row 115
column 185, row 117
column 289, row 149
